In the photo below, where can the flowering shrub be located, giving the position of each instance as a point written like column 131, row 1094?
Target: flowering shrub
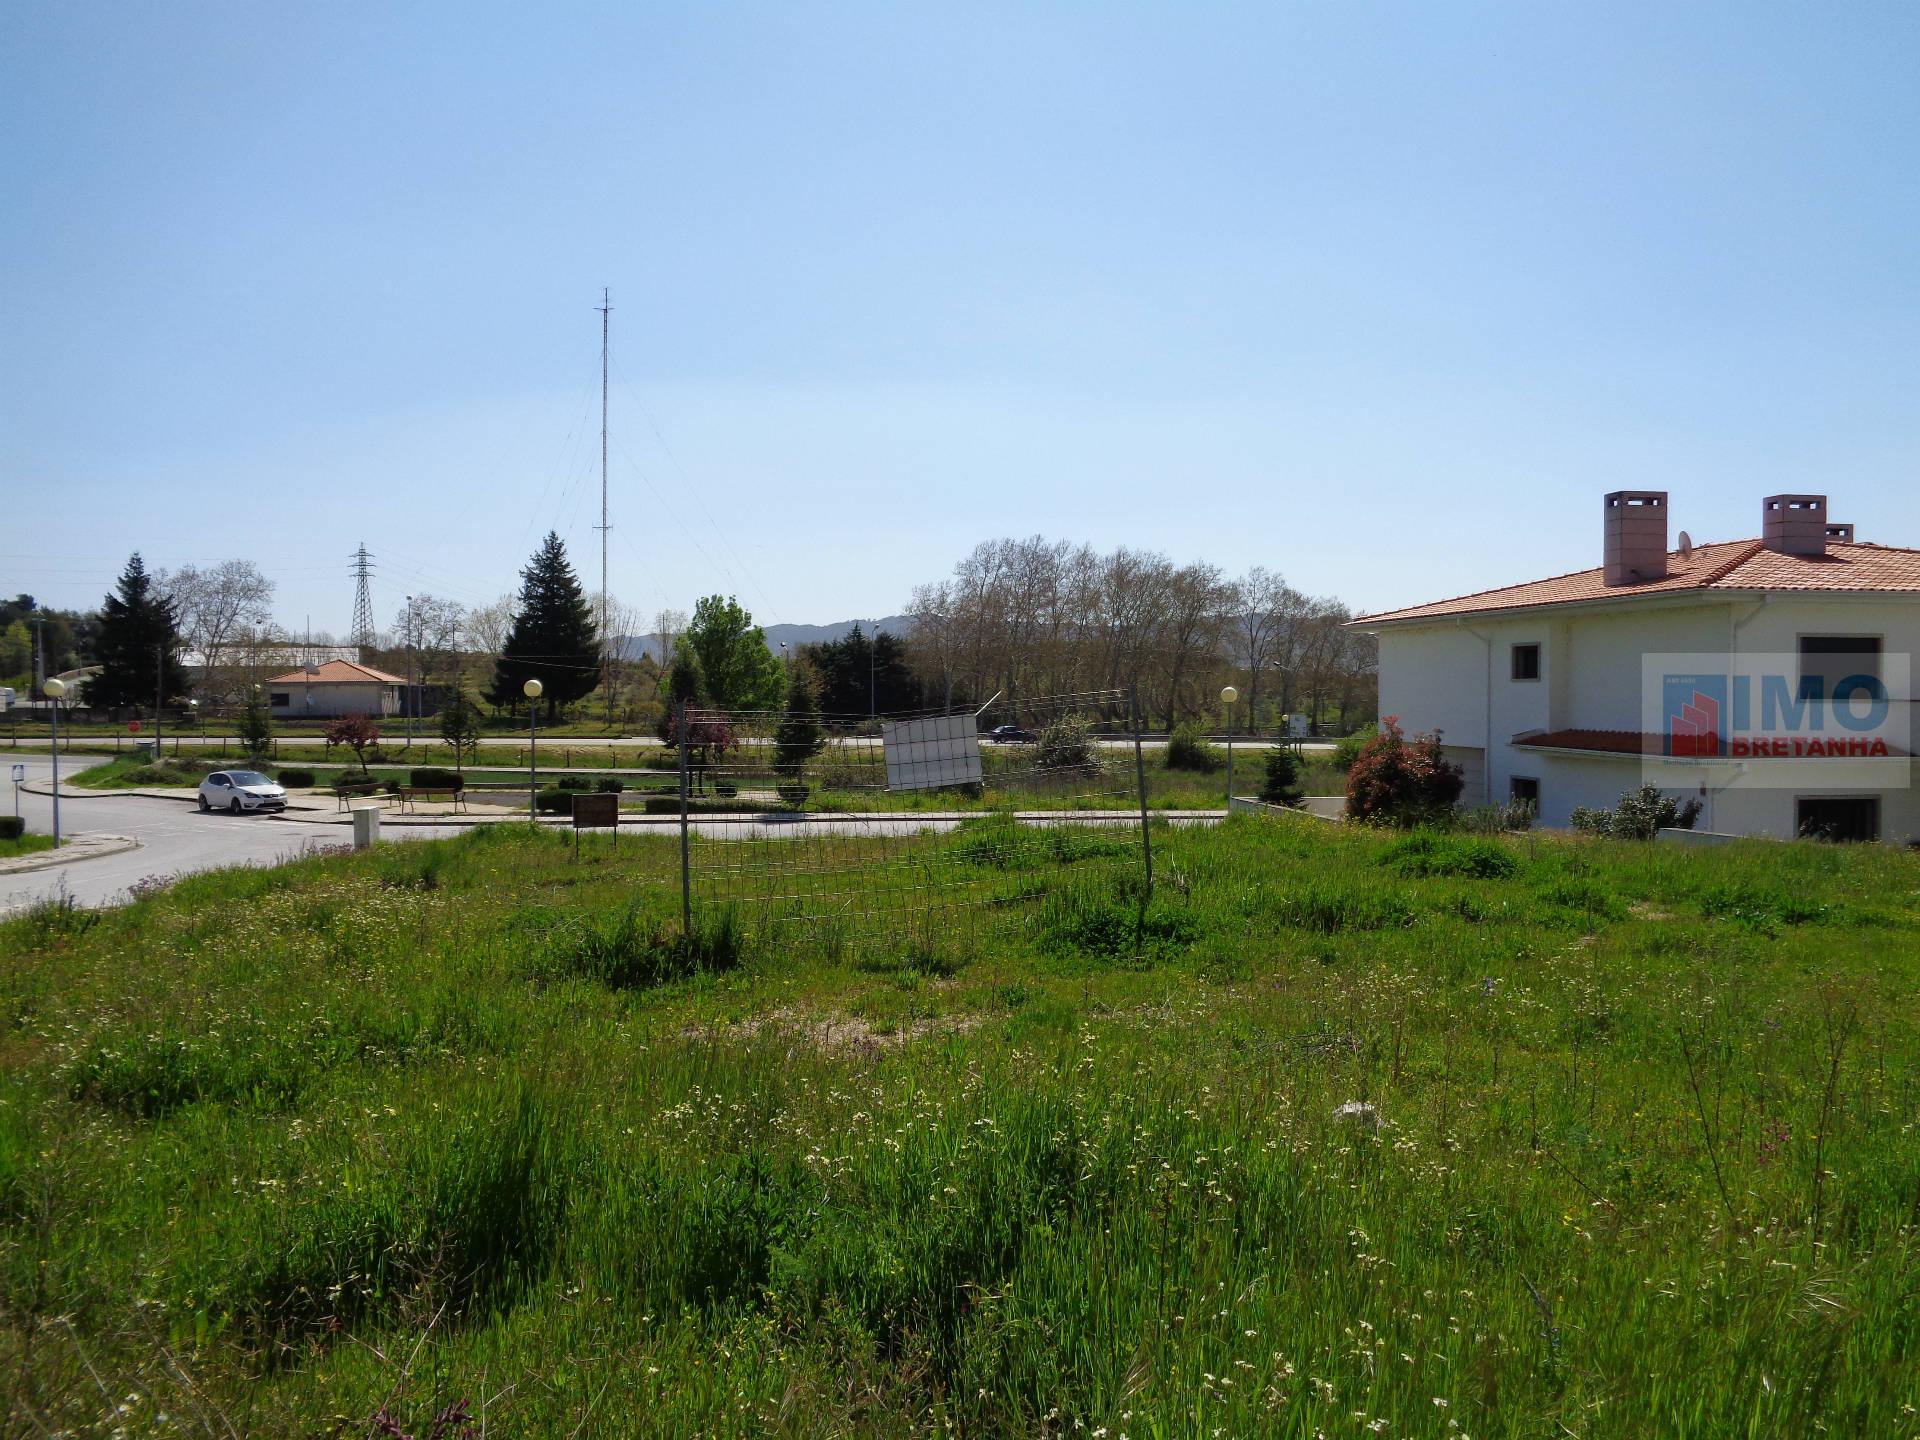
column 1640, row 815
column 1397, row 781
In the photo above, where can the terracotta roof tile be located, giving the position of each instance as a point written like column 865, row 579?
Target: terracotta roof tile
column 1728, row 565
column 337, row 672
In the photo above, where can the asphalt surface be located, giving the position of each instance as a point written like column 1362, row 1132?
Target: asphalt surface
column 175, row 839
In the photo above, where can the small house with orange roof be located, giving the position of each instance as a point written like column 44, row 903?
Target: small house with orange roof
column 332, row 689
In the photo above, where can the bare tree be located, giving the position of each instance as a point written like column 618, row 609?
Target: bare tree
column 218, row 609
column 433, row 627
column 487, row 627
column 668, row 627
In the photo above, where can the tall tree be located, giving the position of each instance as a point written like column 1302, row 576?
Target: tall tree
column 138, row 644
column 216, row 605
column 741, row 672
column 553, row 638
column 798, row 737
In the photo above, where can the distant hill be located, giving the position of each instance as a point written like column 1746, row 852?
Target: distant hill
column 632, row 647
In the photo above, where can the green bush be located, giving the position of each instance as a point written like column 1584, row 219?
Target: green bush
column 609, row 785
column 1281, row 783
column 297, row 779
column 574, row 782
column 12, row 827
column 558, row 801
column 433, row 778
column 1640, row 815
column 793, row 792
column 1348, row 750
column 1067, row 744
column 1188, row 749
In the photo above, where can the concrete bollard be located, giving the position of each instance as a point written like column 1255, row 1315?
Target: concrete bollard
column 366, row 825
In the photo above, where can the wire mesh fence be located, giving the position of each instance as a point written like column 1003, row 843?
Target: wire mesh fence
column 920, row 825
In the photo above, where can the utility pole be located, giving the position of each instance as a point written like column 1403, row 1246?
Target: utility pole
column 363, row 637
column 159, row 680
column 606, row 640
column 873, row 672
column 39, row 655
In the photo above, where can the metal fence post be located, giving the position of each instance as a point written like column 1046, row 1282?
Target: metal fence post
column 686, row 869
column 1140, row 774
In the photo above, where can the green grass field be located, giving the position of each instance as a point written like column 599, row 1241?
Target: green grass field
column 1117, row 788
column 24, row 845
column 466, row 1129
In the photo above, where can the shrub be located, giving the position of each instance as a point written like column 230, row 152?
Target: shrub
column 1425, row 853
column 1396, row 781
column 1187, row 749
column 297, row 779
column 792, row 792
column 433, row 778
column 12, row 827
column 1640, row 815
column 1281, row 783
column 1348, row 750
column 1490, row 819
column 573, row 782
column 609, row 785
column 1067, row 744
column 554, row 802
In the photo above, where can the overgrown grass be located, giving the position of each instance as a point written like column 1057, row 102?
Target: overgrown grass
column 24, row 845
column 1628, row 1146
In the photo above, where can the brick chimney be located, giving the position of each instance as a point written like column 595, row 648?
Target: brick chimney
column 1794, row 524
column 1636, row 540
column 1839, row 532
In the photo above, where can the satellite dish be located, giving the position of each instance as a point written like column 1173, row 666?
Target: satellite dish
column 1686, row 546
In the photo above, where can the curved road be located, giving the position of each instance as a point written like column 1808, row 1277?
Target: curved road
column 175, row 839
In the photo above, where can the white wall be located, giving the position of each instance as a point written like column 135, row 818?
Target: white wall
column 1456, row 677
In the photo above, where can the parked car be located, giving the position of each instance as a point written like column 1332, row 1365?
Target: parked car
column 1010, row 735
column 241, row 792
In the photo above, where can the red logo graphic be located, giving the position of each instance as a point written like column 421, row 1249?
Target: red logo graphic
column 1696, row 729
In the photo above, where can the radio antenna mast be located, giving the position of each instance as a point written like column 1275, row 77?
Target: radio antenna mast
column 606, row 640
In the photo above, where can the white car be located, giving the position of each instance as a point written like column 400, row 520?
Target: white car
column 241, row 792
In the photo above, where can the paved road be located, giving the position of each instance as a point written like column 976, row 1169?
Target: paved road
column 176, row 839
column 394, row 743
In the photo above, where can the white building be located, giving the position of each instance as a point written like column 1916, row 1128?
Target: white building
column 1551, row 691
column 339, row 687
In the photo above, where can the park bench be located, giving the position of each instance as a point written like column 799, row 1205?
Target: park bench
column 410, row 793
column 344, row 795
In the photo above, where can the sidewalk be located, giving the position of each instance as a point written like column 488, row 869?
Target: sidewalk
column 72, row 848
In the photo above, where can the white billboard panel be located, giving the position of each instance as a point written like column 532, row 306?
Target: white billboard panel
column 931, row 754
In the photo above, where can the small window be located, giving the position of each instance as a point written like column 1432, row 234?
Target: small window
column 1834, row 657
column 281, row 698
column 1524, row 789
column 1843, row 818
column 1526, row 662
column 218, row 779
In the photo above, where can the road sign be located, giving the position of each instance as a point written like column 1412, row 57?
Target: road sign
column 133, row 727
column 19, row 774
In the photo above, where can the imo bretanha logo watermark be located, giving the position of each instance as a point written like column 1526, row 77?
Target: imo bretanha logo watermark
column 1835, row 715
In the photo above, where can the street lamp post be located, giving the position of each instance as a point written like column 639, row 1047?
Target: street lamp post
column 1229, row 695
column 53, row 690
column 532, row 691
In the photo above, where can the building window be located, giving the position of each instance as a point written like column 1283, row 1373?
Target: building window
column 281, row 698
column 1837, row 817
column 1526, row 662
column 1832, row 658
column 1524, row 790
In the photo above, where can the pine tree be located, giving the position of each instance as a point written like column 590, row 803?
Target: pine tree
column 460, row 725
column 798, row 737
column 553, row 639
column 137, row 645
column 684, row 685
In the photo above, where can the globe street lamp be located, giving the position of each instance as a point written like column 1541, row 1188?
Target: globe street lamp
column 532, row 691
column 1228, row 696
column 53, row 690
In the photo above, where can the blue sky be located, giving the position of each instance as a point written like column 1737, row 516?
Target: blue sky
column 1381, row 297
